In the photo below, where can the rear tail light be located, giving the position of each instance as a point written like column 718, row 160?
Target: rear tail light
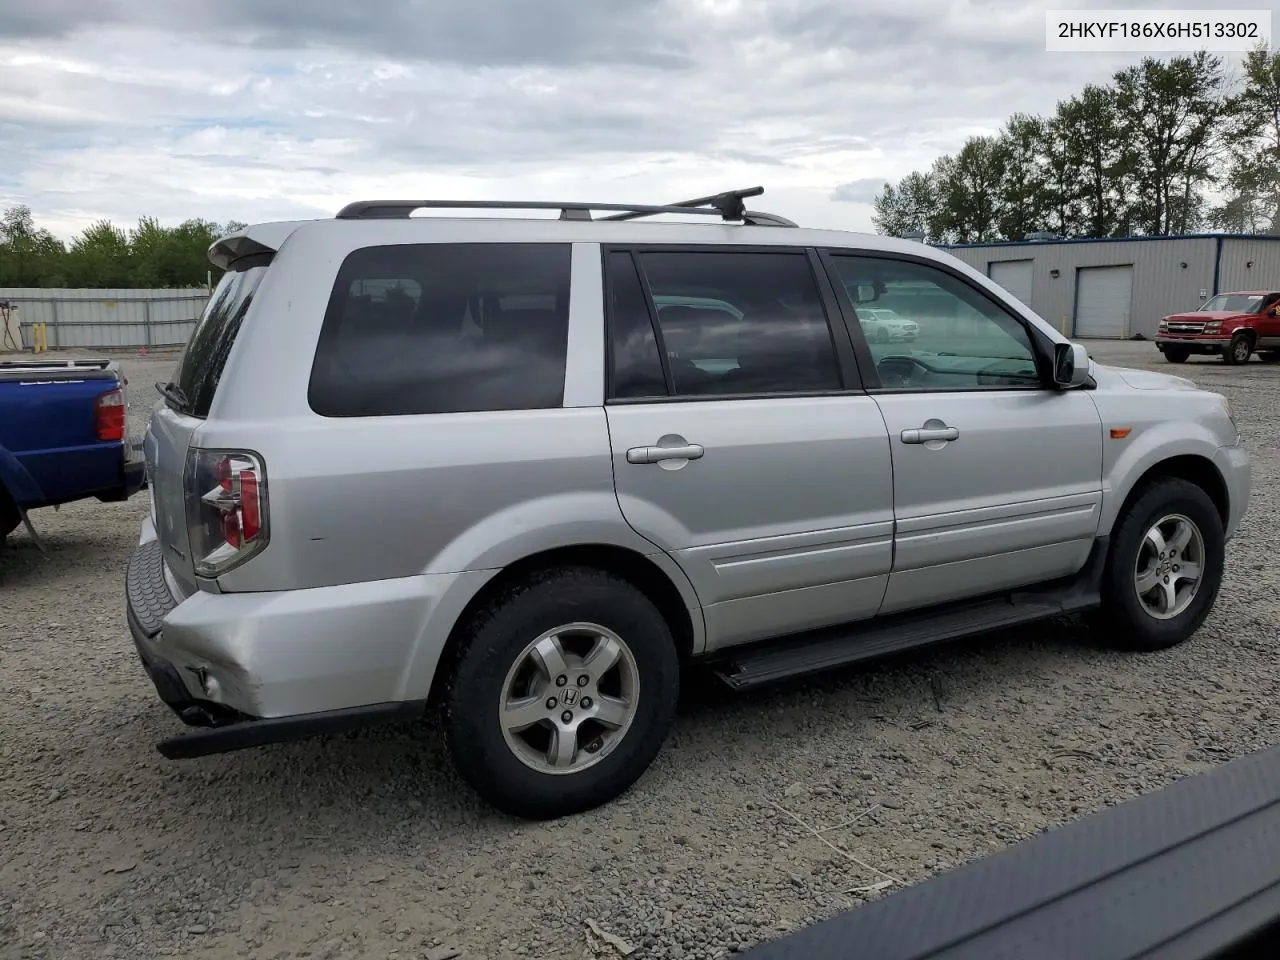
column 109, row 415
column 226, row 508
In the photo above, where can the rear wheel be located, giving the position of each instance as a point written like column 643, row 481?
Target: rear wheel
column 1269, row 356
column 562, row 695
column 1176, row 354
column 10, row 518
column 1165, row 567
column 1238, row 350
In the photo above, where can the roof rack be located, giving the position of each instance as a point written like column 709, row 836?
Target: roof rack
column 728, row 206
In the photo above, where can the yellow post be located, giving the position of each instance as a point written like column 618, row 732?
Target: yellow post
column 39, row 339
column 1063, row 325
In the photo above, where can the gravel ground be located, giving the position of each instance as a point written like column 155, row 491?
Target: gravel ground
column 368, row 846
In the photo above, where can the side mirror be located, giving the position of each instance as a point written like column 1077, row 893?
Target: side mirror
column 1070, row 365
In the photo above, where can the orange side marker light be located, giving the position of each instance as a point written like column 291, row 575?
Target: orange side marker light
column 1119, row 433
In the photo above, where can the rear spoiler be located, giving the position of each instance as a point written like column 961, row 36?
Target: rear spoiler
column 1189, row 872
column 261, row 238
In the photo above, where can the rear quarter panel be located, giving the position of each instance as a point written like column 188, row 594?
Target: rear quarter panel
column 359, row 499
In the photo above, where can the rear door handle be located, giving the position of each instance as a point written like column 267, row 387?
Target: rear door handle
column 926, row 434
column 689, row 451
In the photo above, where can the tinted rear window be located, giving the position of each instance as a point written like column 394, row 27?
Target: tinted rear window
column 202, row 362
column 444, row 328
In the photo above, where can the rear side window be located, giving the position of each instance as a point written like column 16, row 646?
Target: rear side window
column 635, row 363
column 444, row 328
column 202, row 362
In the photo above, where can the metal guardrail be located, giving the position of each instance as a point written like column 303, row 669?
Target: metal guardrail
column 51, row 336
column 60, row 332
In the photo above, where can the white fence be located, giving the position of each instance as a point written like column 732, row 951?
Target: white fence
column 106, row 318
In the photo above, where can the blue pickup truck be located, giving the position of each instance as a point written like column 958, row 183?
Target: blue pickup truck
column 63, row 436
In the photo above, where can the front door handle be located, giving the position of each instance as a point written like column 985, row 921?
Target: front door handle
column 688, row 451
column 927, row 434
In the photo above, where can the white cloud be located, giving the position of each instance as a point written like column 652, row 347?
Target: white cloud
column 250, row 110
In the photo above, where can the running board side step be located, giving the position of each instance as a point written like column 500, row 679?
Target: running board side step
column 804, row 654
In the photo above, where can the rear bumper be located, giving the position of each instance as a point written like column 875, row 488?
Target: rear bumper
column 308, row 661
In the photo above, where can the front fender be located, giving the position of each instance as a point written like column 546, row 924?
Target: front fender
column 1153, row 445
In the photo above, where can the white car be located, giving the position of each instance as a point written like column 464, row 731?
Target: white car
column 882, row 325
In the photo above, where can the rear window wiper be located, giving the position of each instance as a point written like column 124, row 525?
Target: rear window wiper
column 173, row 393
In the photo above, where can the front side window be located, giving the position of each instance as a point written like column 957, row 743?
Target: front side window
column 729, row 323
column 444, row 328
column 929, row 330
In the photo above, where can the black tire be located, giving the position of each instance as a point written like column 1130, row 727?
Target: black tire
column 495, row 638
column 882, row 335
column 1175, row 355
column 1123, row 619
column 1238, row 350
column 10, row 518
column 1269, row 356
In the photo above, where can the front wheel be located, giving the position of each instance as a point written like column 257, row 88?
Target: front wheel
column 562, row 695
column 1238, row 350
column 1176, row 355
column 1165, row 567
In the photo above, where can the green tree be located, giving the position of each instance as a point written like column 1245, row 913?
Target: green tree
column 1253, row 148
column 101, row 257
column 1096, row 165
column 1024, row 197
column 172, row 257
column 968, row 192
column 1171, row 118
column 29, row 256
column 905, row 209
column 150, row 255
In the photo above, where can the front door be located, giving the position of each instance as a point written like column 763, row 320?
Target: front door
column 742, row 445
column 1269, row 323
column 997, row 475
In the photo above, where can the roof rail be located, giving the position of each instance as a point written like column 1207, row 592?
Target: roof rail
column 727, row 206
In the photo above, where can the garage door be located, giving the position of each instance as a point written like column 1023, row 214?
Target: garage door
column 1103, row 299
column 1014, row 276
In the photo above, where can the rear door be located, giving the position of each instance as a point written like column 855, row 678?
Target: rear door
column 997, row 477
column 742, row 444
column 186, row 404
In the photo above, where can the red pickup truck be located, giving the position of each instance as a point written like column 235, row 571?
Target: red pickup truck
column 1231, row 324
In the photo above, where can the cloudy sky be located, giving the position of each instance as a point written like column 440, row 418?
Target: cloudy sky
column 269, row 109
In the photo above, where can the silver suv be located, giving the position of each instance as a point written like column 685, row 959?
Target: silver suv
column 521, row 471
